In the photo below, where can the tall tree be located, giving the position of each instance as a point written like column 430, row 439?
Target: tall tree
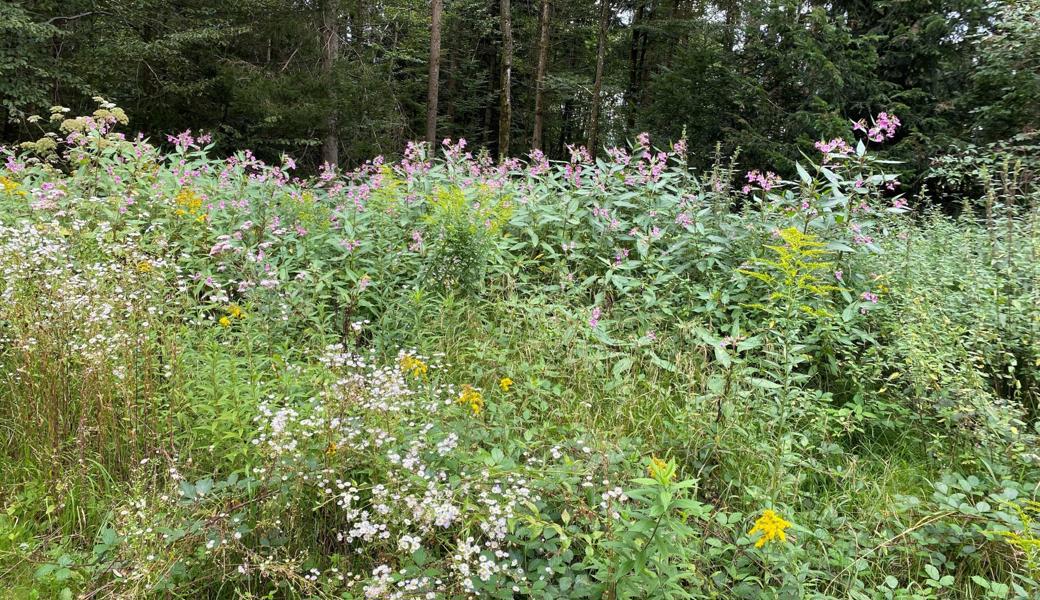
column 435, row 69
column 1006, row 78
column 636, row 51
column 597, row 85
column 329, row 54
column 505, row 113
column 539, row 76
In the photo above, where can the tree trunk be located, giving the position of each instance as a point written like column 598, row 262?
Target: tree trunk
column 597, row 86
column 539, row 78
column 435, row 71
column 642, row 62
column 732, row 16
column 632, row 94
column 329, row 53
column 451, row 85
column 506, row 107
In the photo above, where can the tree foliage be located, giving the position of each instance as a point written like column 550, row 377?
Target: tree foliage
column 765, row 77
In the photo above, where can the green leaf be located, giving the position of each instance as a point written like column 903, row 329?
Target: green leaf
column 765, row 383
column 839, row 247
column 749, row 344
column 621, row 366
column 722, row 356
column 802, row 173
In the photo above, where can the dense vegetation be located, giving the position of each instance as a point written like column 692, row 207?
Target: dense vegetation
column 349, row 79
column 756, row 316
column 450, row 376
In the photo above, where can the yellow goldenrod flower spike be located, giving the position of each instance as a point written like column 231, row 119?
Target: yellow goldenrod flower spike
column 771, row 526
column 224, row 322
column 504, row 383
column 473, row 398
column 413, row 366
column 10, row 186
column 658, row 469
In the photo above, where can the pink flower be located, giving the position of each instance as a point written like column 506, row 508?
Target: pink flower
column 766, row 180
column 14, row 166
column 884, row 128
column 836, row 146
column 579, row 154
column 594, row 318
column 223, row 245
column 454, row 151
column 619, row 156
column 539, row 164
column 417, row 241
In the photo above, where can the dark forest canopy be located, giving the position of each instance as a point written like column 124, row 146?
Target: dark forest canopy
column 348, row 79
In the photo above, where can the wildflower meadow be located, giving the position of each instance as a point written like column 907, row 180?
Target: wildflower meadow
column 449, row 376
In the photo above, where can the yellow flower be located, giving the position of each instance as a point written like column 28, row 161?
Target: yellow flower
column 504, row 383
column 235, row 311
column 9, row 185
column 189, row 203
column 659, row 470
column 772, row 527
column 331, row 448
column 144, row 267
column 473, row 398
column 224, row 322
column 413, row 366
